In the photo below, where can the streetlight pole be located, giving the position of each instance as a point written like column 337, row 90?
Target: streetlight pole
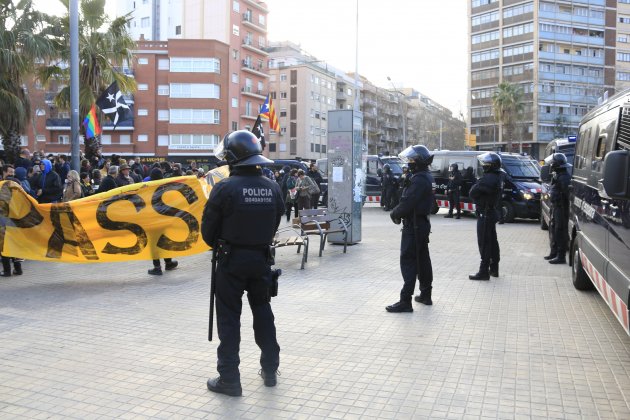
column 404, row 119
column 74, row 83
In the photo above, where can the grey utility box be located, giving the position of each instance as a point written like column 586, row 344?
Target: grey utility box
column 346, row 176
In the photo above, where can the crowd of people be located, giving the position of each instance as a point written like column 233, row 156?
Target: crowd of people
column 300, row 189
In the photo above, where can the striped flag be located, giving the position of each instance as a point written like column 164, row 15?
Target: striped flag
column 269, row 112
column 92, row 127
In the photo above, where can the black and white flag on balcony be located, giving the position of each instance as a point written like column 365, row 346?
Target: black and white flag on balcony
column 113, row 104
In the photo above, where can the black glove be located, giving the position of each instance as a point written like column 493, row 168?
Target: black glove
column 394, row 219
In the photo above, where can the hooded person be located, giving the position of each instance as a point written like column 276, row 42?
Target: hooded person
column 20, row 175
column 49, row 187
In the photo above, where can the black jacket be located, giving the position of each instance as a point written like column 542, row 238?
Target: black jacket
column 455, row 180
column 486, row 193
column 52, row 188
column 559, row 194
column 107, row 183
column 417, row 200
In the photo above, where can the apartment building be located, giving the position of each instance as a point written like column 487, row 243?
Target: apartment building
column 179, row 110
column 622, row 66
column 242, row 24
column 560, row 53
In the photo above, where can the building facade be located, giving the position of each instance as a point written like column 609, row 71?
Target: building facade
column 180, row 107
column 561, row 54
column 242, row 24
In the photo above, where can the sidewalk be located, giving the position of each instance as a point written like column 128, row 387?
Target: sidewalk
column 110, row 341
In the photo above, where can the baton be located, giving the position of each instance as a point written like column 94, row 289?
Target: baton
column 212, row 291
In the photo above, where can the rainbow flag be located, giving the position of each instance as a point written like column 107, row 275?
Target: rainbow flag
column 92, row 127
column 269, row 112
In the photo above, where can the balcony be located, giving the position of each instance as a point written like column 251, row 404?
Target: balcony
column 249, row 114
column 60, row 124
column 248, row 22
column 249, row 91
column 248, row 44
column 257, row 6
column 256, row 69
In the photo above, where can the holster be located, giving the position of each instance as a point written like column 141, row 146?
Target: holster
column 223, row 251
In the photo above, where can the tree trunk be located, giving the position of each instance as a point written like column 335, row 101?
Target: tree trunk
column 12, row 147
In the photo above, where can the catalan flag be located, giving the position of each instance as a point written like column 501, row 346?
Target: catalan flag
column 92, row 127
column 269, row 112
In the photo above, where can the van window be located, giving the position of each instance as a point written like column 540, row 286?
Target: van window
column 437, row 165
column 583, row 148
column 372, row 166
column 466, row 166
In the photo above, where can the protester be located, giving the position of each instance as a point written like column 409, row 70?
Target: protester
column 96, row 180
column 123, row 177
column 306, row 188
column 86, row 184
column 109, row 182
column 314, row 174
column 169, row 264
column 49, row 186
column 72, row 189
column 62, row 167
column 291, row 196
column 20, row 175
column 24, row 161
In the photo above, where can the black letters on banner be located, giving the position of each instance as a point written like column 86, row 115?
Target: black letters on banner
column 57, row 239
column 106, row 223
column 193, row 225
column 33, row 218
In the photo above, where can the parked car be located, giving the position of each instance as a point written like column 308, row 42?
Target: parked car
column 555, row 146
column 521, row 190
column 599, row 206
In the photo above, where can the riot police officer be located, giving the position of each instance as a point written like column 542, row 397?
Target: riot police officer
column 413, row 210
column 559, row 198
column 239, row 221
column 486, row 194
column 388, row 187
column 452, row 191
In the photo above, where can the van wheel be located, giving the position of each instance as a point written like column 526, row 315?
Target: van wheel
column 508, row 211
column 580, row 279
column 435, row 208
column 543, row 224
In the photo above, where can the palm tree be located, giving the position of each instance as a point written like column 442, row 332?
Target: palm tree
column 507, row 105
column 23, row 43
column 103, row 51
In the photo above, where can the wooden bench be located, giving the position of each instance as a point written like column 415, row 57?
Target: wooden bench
column 319, row 222
column 288, row 236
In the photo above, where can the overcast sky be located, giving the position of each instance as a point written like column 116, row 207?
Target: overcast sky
column 420, row 44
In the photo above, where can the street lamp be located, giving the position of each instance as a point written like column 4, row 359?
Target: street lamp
column 404, row 119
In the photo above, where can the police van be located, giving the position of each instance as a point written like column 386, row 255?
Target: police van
column 521, row 189
column 599, row 211
column 566, row 147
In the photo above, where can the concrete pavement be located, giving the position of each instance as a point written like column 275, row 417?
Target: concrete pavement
column 110, row 341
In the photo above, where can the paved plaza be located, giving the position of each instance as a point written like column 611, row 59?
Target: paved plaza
column 110, row 341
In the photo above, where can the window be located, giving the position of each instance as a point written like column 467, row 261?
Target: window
column 41, row 137
column 485, row 18
column 477, row 3
column 106, row 139
column 234, row 126
column 283, row 95
column 162, row 140
column 145, row 22
column 178, row 30
column 236, row 6
column 163, row 90
column 349, row 92
column 163, row 64
column 261, row 87
column 235, row 30
column 283, row 77
column 272, row 147
column 142, row 112
column 199, row 141
column 625, row 76
column 125, row 139
column 261, row 20
column 623, row 56
column 518, row 10
column 234, row 77
column 624, row 19
column 518, row 30
column 234, row 102
column 143, row 137
column 518, row 50
column 143, row 60
column 485, row 55
column 195, row 116
column 485, row 37
column 195, row 90
column 163, row 115
column 195, row 65
column 283, row 112
column 143, row 86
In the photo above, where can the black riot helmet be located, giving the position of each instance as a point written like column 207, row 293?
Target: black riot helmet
column 418, row 157
column 386, row 168
column 490, row 161
column 558, row 161
column 241, row 148
column 454, row 167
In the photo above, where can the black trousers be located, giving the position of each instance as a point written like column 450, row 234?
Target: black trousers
column 244, row 270
column 453, row 201
column 487, row 239
column 559, row 230
column 415, row 261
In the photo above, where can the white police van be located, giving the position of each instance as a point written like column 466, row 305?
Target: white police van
column 599, row 222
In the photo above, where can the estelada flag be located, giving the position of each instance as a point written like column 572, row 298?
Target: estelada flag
column 269, row 112
column 92, row 127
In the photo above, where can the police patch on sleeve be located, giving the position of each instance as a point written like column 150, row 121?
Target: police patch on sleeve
column 257, row 195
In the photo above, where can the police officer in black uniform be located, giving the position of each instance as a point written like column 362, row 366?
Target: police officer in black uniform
column 239, row 221
column 559, row 197
column 413, row 210
column 452, row 190
column 388, row 186
column 486, row 194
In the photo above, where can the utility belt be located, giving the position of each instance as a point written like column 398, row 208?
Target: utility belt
column 409, row 221
column 484, row 211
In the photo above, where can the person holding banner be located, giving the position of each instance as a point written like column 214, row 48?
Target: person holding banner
column 49, row 188
column 239, row 222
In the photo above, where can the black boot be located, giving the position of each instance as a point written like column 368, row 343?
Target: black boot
column 494, row 270
column 458, row 216
column 449, row 216
column 156, row 271
column 551, row 256
column 6, row 267
column 270, row 378
column 17, row 268
column 219, row 386
column 482, row 274
column 424, row 297
column 560, row 259
column 401, row 306
column 170, row 265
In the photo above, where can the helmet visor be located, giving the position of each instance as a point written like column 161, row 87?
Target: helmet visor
column 220, row 151
column 408, row 154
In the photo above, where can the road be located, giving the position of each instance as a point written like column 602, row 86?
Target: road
column 110, row 341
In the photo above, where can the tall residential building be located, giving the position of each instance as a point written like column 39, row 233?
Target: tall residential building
column 622, row 66
column 560, row 53
column 242, row 24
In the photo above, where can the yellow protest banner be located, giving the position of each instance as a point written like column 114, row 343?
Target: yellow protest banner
column 143, row 221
